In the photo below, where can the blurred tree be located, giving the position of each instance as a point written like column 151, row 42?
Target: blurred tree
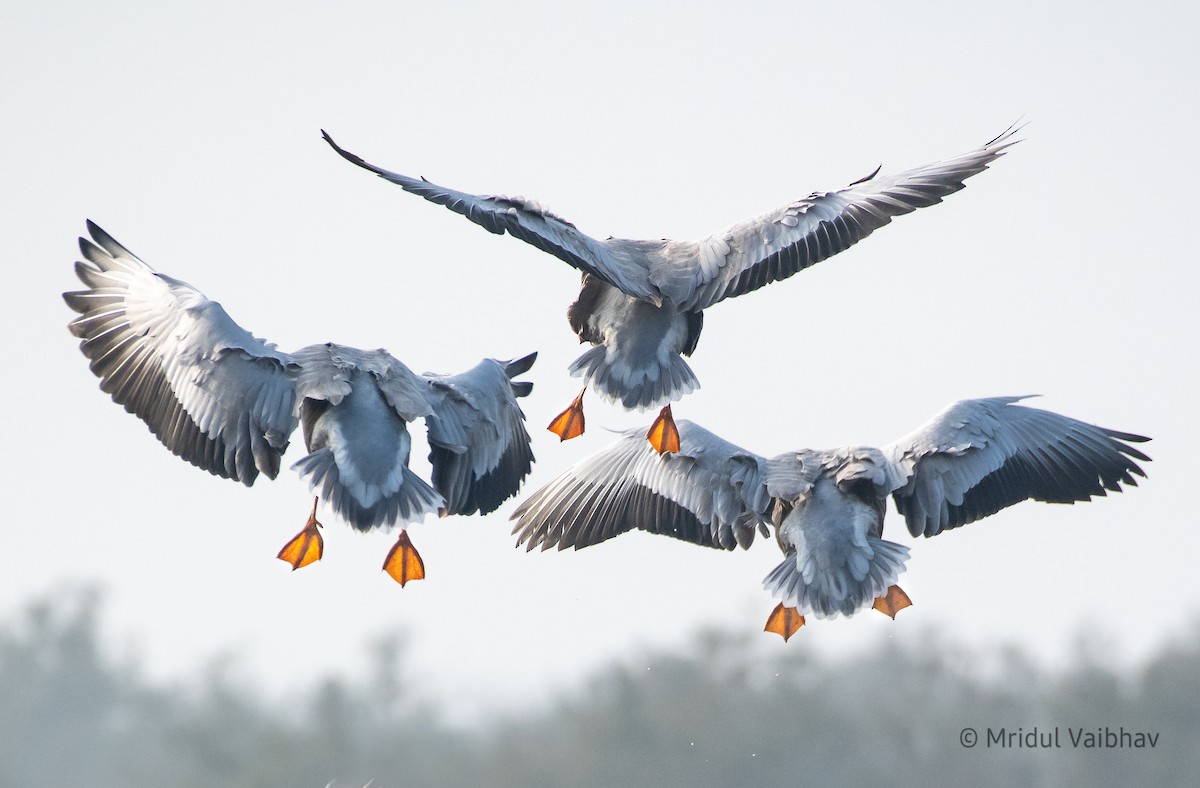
column 729, row 710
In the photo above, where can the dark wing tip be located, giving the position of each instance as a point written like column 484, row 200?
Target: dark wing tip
column 1012, row 129
column 1127, row 436
column 520, row 388
column 345, row 154
column 868, row 177
column 519, row 366
column 1121, row 441
column 99, row 236
column 78, row 301
column 111, row 246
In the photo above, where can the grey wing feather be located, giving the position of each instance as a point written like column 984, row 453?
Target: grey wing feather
column 709, row 493
column 531, row 223
column 325, row 372
column 478, row 444
column 214, row 394
column 776, row 245
column 979, row 456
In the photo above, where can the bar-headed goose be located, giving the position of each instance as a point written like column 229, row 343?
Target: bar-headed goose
column 642, row 302
column 971, row 460
column 228, row 402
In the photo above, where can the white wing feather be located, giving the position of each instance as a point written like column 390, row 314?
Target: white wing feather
column 709, row 493
column 214, row 394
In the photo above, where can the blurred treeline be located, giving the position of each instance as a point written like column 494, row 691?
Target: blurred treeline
column 73, row 715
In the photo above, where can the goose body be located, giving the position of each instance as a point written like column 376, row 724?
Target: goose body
column 827, row 507
column 641, row 302
column 228, row 402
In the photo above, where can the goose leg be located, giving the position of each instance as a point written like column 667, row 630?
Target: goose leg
column 403, row 562
column 306, row 546
column 895, row 601
column 663, row 434
column 784, row 621
column 569, row 423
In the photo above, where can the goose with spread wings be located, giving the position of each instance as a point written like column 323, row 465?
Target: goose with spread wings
column 642, row 303
column 228, row 402
column 971, row 460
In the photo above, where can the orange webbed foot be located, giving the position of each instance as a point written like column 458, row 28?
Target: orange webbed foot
column 403, row 562
column 569, row 424
column 784, row 621
column 663, row 434
column 305, row 547
column 891, row 604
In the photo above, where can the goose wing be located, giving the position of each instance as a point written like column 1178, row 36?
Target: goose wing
column 748, row 255
column 478, row 445
column 979, row 456
column 211, row 392
column 710, row 493
column 614, row 261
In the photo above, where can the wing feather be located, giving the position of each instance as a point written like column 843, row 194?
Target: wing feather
column 211, row 392
column 709, row 493
column 479, row 447
column 780, row 243
column 979, row 456
column 532, row 223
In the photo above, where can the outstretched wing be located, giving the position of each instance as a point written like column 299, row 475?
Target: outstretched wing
column 978, row 456
column 709, row 493
column 748, row 255
column 478, row 445
column 210, row 391
column 533, row 224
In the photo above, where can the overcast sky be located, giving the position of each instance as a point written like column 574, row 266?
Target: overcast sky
column 190, row 133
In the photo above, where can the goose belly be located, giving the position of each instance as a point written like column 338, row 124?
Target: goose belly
column 369, row 441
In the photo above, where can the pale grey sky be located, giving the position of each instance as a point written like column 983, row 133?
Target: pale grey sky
column 190, row 132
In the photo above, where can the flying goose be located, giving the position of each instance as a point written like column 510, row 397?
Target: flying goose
column 972, row 459
column 228, row 402
column 642, row 303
